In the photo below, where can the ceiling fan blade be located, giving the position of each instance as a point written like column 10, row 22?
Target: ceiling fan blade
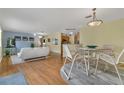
column 88, row 16
column 94, row 9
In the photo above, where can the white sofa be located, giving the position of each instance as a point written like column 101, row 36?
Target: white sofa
column 29, row 53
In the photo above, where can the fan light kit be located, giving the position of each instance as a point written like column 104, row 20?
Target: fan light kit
column 95, row 21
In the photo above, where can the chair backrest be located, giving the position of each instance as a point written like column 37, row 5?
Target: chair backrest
column 108, row 49
column 82, row 51
column 110, row 59
column 119, row 56
column 107, row 58
column 108, row 46
column 67, row 51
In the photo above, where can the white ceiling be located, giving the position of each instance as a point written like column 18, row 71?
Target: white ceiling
column 52, row 19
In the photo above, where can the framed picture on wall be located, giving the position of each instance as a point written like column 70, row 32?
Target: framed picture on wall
column 44, row 40
column 55, row 41
column 24, row 38
column 31, row 38
column 17, row 38
column 48, row 39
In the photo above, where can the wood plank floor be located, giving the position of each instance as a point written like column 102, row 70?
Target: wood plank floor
column 40, row 72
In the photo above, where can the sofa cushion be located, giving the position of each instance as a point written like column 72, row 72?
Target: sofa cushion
column 27, row 53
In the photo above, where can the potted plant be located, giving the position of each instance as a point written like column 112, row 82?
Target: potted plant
column 7, row 52
column 32, row 45
column 10, row 42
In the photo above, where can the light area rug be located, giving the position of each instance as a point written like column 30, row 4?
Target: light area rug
column 16, row 60
column 13, row 79
column 79, row 77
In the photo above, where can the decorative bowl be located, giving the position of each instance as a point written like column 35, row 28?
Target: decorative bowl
column 91, row 46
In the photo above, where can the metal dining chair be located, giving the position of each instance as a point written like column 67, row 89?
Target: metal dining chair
column 108, row 49
column 111, row 60
column 70, row 58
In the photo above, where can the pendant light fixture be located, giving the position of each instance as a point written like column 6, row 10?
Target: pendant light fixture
column 94, row 21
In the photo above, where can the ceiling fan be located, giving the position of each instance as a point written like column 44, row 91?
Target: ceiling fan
column 91, row 15
column 95, row 21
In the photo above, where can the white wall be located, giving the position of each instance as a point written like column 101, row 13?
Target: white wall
column 37, row 41
column 108, row 33
column 54, row 48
